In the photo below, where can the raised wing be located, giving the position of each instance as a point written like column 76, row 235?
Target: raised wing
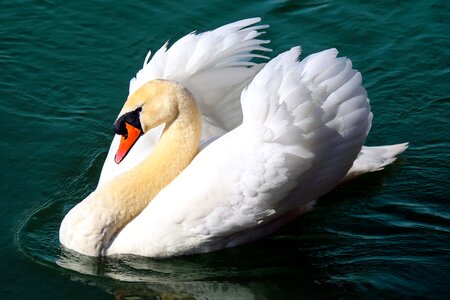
column 304, row 125
column 214, row 65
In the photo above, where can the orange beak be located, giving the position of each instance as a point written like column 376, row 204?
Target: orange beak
column 126, row 142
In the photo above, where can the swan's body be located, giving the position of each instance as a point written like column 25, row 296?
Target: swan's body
column 304, row 124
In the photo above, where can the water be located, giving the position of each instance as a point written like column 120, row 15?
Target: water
column 65, row 69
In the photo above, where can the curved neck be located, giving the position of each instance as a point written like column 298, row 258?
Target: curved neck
column 129, row 193
column 176, row 148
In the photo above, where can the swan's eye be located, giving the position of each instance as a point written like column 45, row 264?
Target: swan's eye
column 131, row 118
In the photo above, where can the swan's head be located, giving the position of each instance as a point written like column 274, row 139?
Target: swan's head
column 155, row 103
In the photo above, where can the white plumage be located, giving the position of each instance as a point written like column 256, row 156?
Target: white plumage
column 294, row 135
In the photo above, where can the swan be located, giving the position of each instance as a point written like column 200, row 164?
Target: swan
column 213, row 150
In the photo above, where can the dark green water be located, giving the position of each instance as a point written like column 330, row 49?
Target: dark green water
column 64, row 76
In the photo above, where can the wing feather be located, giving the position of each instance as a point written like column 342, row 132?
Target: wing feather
column 211, row 65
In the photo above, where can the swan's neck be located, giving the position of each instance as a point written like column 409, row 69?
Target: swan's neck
column 177, row 147
column 123, row 198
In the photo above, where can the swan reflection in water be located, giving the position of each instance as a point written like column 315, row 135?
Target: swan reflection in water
column 226, row 274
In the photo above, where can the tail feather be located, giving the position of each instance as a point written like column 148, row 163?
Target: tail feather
column 372, row 159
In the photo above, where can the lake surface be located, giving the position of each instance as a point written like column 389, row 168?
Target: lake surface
column 65, row 69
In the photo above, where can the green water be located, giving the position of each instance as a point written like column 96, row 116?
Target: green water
column 64, row 71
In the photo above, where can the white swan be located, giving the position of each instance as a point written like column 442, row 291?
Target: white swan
column 304, row 124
